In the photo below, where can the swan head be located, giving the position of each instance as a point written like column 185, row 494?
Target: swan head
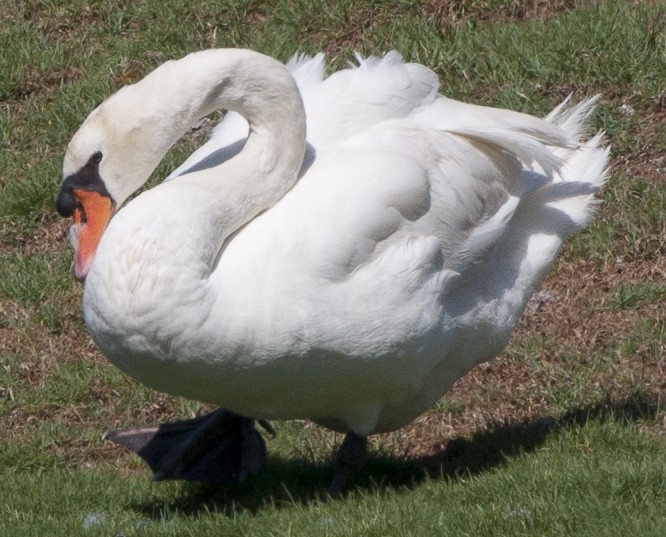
column 84, row 197
column 106, row 161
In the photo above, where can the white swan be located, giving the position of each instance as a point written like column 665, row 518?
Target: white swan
column 349, row 282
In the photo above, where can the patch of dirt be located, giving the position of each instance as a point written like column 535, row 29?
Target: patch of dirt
column 451, row 14
column 34, row 81
column 353, row 31
column 48, row 237
column 447, row 15
column 648, row 160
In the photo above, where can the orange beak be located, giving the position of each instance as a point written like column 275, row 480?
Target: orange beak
column 91, row 216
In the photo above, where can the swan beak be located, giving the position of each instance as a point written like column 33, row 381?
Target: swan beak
column 91, row 216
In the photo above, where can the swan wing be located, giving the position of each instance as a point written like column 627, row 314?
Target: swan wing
column 413, row 205
column 388, row 207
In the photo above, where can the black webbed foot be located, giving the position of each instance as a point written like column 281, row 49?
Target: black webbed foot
column 220, row 447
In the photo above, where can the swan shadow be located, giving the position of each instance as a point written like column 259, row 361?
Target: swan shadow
column 297, row 481
column 223, row 154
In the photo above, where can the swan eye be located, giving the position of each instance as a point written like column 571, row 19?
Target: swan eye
column 96, row 157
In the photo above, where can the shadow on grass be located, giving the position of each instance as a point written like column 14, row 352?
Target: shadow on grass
column 287, row 482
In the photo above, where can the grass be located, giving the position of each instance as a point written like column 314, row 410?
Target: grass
column 568, row 489
column 563, row 434
column 631, row 296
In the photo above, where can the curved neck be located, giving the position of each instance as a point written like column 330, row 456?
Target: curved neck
column 147, row 118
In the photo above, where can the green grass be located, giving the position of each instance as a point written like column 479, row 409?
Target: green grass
column 562, row 435
column 582, row 478
column 628, row 297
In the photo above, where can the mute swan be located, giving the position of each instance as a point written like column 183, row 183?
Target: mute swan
column 349, row 280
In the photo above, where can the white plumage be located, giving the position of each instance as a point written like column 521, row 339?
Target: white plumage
column 352, row 291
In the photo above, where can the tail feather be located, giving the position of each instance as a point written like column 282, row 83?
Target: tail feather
column 574, row 120
column 584, row 174
column 547, row 204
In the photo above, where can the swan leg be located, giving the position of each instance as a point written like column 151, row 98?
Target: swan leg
column 220, row 447
column 348, row 460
